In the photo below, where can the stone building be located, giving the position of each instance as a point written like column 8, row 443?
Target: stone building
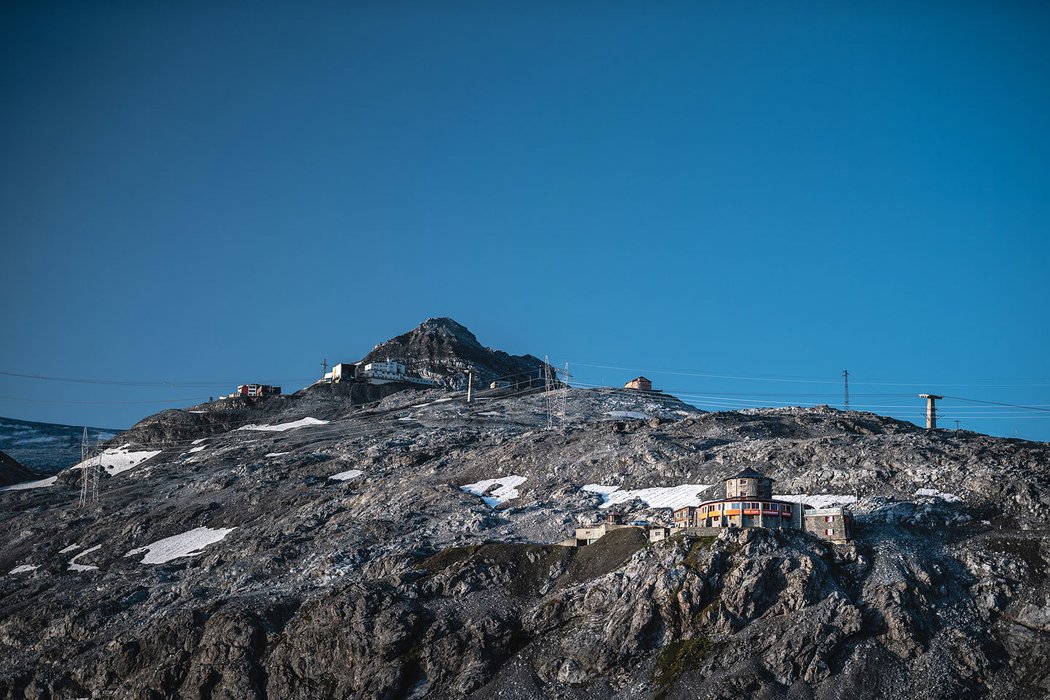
column 749, row 502
column 639, row 384
column 833, row 524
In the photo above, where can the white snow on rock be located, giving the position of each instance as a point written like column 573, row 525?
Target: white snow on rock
column 74, row 566
column 628, row 414
column 818, row 500
column 23, row 568
column 347, row 475
column 31, row 484
column 934, row 493
column 198, row 448
column 70, row 548
column 505, row 489
column 281, row 427
column 186, row 544
column 119, row 459
column 490, row 413
column 274, row 454
column 657, row 497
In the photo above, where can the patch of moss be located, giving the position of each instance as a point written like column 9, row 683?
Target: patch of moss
column 697, row 545
column 448, row 557
column 678, row 657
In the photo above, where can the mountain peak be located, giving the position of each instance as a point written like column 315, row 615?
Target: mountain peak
column 445, row 350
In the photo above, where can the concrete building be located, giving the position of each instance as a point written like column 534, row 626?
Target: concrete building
column 749, row 502
column 257, row 390
column 344, row 372
column 639, row 384
column 391, row 371
column 833, row 524
column 613, row 521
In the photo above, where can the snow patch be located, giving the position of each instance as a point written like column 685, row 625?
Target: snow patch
column 23, row 568
column 628, row 414
column 118, row 459
column 281, row 427
column 186, row 544
column 31, row 484
column 934, row 493
column 69, row 549
column 74, row 566
column 275, row 454
column 818, row 500
column 657, row 497
column 198, row 448
column 347, row 475
column 490, row 413
column 506, row 490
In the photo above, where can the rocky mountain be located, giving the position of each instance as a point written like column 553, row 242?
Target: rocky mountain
column 442, row 349
column 320, row 548
column 11, row 472
column 46, row 447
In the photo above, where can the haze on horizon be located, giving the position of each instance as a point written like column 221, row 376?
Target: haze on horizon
column 738, row 201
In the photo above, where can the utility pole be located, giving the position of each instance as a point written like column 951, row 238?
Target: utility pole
column 845, row 388
column 956, row 426
column 324, row 367
column 931, row 410
column 470, row 385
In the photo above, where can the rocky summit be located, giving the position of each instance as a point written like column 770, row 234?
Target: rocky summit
column 444, row 350
column 349, row 542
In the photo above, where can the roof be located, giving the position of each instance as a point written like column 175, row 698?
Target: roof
column 641, row 379
column 748, row 473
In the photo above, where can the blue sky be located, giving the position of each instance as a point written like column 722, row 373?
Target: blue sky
column 230, row 192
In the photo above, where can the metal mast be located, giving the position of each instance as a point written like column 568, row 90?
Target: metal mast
column 89, row 476
column 548, row 386
column 845, row 389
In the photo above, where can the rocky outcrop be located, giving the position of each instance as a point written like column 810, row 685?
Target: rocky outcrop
column 440, row 348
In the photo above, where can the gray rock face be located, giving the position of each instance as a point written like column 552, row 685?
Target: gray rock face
column 357, row 566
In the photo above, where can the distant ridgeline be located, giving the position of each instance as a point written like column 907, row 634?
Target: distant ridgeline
column 46, row 447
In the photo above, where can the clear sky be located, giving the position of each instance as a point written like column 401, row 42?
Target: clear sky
column 216, row 193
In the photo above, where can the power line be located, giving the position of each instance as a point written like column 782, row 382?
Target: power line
column 978, row 383
column 137, row 383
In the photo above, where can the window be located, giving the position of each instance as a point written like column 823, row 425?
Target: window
column 735, row 506
column 829, row 532
column 829, row 518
